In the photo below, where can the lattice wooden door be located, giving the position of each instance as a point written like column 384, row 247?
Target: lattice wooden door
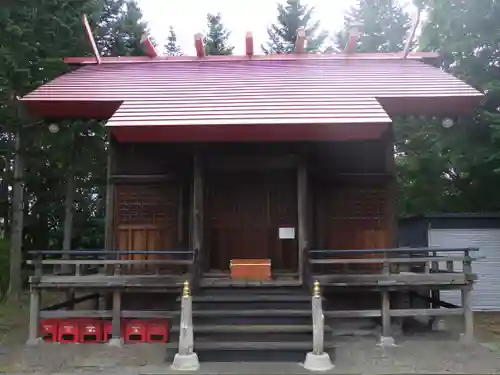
column 353, row 218
column 146, row 219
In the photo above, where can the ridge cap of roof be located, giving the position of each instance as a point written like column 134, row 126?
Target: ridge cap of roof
column 419, row 56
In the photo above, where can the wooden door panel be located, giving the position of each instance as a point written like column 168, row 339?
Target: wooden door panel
column 352, row 218
column 243, row 214
column 146, row 218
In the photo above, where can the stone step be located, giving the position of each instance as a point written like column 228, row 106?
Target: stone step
column 250, row 328
column 253, row 313
column 251, row 345
column 250, row 298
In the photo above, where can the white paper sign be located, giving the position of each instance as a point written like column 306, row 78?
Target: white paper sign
column 287, row 233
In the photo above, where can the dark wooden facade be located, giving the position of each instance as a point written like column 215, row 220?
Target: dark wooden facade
column 335, row 195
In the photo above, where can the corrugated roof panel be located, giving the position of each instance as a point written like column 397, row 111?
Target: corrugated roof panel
column 248, row 92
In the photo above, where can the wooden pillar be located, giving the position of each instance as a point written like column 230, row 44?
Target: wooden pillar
column 468, row 336
column 386, row 317
column 197, row 212
column 110, row 193
column 302, row 235
column 391, row 190
column 116, row 337
column 34, row 316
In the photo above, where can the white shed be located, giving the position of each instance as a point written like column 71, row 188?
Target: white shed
column 463, row 230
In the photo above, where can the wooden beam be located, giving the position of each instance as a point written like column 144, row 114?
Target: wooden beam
column 116, row 316
column 197, row 210
column 249, row 44
column 115, row 262
column 468, row 336
column 280, row 57
column 142, row 178
column 302, row 235
column 300, row 40
column 416, row 260
column 406, row 50
column 255, row 162
column 386, row 315
column 90, row 37
column 149, row 46
column 198, row 43
column 110, row 198
column 350, row 46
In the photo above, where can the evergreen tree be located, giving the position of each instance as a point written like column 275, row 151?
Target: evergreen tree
column 383, row 25
column 120, row 29
column 34, row 36
column 172, row 48
column 291, row 17
column 217, row 39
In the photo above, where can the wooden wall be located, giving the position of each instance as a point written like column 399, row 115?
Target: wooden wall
column 351, row 193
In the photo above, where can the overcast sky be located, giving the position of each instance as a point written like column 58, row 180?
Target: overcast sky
column 188, row 17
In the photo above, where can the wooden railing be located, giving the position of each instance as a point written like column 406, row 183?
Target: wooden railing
column 394, row 261
column 81, row 263
column 399, row 269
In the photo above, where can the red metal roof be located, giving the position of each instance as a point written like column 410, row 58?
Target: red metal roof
column 279, row 92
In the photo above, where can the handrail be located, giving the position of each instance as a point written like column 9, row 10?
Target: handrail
column 108, row 252
column 389, row 260
column 111, row 260
column 394, row 250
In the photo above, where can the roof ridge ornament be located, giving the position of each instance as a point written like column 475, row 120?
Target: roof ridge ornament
column 149, row 46
column 352, row 42
column 90, row 37
column 198, row 43
column 300, row 40
column 406, row 51
column 249, row 44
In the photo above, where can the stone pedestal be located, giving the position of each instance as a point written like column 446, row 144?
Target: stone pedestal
column 186, row 362
column 318, row 362
column 387, row 341
column 115, row 342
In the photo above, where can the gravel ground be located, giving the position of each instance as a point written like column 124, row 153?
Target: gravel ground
column 420, row 352
column 422, row 355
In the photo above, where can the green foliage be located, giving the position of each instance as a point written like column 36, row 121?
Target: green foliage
column 34, row 37
column 120, row 29
column 172, row 48
column 217, row 39
column 4, row 267
column 292, row 16
column 383, row 26
column 467, row 35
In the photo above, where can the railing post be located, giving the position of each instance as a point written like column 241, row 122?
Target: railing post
column 186, row 359
column 468, row 335
column 34, row 317
column 318, row 360
column 116, row 339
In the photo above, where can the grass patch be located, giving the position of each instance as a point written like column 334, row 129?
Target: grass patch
column 14, row 319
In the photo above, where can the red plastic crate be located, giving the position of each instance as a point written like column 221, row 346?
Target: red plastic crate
column 157, row 331
column 90, row 331
column 107, row 329
column 48, row 330
column 135, row 331
column 68, row 331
